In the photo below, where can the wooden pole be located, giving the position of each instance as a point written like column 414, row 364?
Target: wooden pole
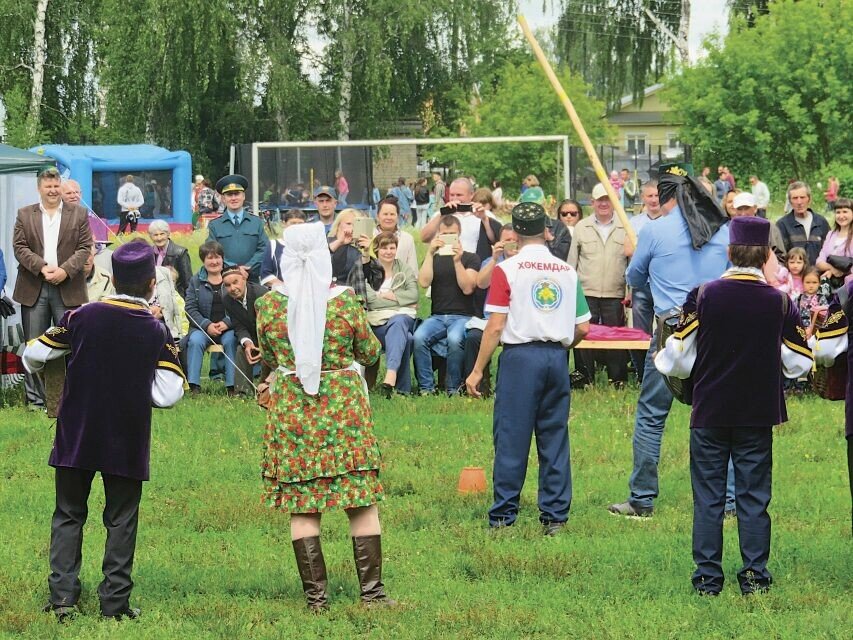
column 578, row 125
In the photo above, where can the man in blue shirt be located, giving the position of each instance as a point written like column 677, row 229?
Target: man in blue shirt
column 642, row 311
column 666, row 260
column 241, row 234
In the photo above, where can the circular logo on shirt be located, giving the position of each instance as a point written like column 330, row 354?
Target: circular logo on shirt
column 547, row 295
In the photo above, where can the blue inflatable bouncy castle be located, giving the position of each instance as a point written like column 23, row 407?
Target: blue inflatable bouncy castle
column 163, row 176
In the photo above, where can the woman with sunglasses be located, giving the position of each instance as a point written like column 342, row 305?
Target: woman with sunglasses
column 570, row 212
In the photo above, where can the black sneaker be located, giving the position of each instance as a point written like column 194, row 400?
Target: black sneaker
column 630, row 511
column 551, row 529
column 130, row 613
column 63, row 613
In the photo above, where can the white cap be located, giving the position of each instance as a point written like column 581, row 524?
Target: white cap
column 598, row 191
column 199, row 178
column 743, row 199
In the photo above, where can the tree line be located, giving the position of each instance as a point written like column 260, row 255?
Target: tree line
column 768, row 98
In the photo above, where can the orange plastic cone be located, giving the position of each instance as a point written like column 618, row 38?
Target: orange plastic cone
column 472, row 480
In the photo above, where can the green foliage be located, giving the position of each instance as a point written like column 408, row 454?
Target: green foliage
column 614, row 46
column 522, row 102
column 842, row 170
column 202, row 74
column 775, row 99
column 749, row 10
column 408, row 61
column 213, row 563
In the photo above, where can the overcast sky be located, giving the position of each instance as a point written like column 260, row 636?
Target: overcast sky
column 706, row 17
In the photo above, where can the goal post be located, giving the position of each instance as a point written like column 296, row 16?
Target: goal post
column 418, row 142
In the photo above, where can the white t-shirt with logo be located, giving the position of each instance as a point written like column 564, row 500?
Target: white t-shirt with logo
column 541, row 296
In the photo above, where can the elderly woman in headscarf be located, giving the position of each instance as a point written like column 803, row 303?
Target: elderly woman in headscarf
column 319, row 450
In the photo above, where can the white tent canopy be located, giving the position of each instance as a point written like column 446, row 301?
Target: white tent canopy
column 18, row 169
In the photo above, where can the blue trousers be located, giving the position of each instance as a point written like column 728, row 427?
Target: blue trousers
column 396, row 338
column 653, row 408
column 532, row 396
column 430, row 333
column 197, row 343
column 751, row 450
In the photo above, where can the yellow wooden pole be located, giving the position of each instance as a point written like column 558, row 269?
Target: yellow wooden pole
column 576, row 122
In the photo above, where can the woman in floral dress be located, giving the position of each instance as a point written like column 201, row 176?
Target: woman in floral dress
column 320, row 452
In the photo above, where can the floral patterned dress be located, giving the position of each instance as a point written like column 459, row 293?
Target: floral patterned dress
column 319, row 452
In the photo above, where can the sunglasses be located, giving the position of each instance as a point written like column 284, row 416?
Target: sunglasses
column 573, row 214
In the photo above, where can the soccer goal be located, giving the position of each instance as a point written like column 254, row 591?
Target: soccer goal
column 563, row 169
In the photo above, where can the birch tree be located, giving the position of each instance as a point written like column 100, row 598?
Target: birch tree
column 40, row 53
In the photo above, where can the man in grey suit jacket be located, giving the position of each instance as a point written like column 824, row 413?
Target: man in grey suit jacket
column 51, row 242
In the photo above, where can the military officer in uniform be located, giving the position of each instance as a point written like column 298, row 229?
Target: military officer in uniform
column 240, row 233
column 538, row 310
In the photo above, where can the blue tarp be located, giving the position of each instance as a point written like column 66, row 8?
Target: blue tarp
column 114, row 161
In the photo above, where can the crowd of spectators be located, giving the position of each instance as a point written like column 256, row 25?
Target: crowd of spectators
column 212, row 310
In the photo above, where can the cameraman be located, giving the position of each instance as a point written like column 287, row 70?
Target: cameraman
column 480, row 228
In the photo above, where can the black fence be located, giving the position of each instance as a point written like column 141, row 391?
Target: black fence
column 288, row 177
column 641, row 166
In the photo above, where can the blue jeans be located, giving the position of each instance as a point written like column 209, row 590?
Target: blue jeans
column 396, row 338
column 197, row 343
column 653, row 408
column 711, row 450
column 643, row 316
column 433, row 330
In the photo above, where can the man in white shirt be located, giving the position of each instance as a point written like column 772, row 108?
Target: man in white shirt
column 478, row 233
column 52, row 243
column 130, row 199
column 762, row 195
column 537, row 310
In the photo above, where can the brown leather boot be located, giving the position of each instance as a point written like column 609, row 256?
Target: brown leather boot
column 312, row 570
column 367, row 551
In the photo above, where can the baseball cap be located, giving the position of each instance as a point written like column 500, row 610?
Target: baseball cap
column 327, row 190
column 598, row 191
column 743, row 199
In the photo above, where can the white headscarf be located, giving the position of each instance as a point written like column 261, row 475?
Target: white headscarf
column 306, row 270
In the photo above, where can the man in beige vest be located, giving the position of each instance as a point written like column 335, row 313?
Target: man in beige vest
column 598, row 254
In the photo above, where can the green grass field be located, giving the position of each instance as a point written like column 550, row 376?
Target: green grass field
column 212, row 563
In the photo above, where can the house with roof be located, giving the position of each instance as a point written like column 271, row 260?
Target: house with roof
column 647, row 128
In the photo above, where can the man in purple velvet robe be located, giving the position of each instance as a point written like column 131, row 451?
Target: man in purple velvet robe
column 737, row 335
column 120, row 361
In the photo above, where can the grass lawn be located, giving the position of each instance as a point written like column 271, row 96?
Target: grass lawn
column 212, row 563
